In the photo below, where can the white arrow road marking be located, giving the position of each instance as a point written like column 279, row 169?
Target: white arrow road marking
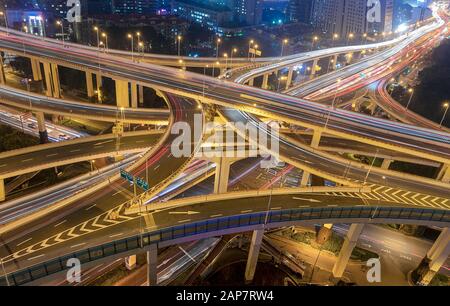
column 189, row 212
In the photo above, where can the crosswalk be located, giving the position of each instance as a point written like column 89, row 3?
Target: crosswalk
column 109, row 218
column 398, row 196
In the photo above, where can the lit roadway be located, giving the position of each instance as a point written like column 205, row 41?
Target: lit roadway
column 428, row 144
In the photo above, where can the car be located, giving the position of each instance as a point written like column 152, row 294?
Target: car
column 63, row 137
column 31, row 125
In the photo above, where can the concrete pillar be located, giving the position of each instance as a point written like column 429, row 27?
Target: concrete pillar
column 313, row 68
column 305, row 179
column 253, row 255
column 2, row 72
column 130, row 262
column 2, row 190
column 372, row 107
column 324, row 233
column 316, row 139
column 355, row 106
column 141, row 95
column 134, row 95
column 435, row 258
column 152, row 265
column 251, row 82
column 350, row 241
column 289, row 77
column 36, row 69
column 386, row 163
column 99, row 84
column 444, row 173
column 334, row 64
column 43, row 136
column 89, row 85
column 222, row 173
column 265, row 83
column 52, row 80
column 122, row 94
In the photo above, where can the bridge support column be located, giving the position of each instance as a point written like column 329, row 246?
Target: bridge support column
column 444, row 173
column 334, row 63
column 36, row 69
column 52, row 80
column 350, row 241
column 2, row 190
column 99, row 84
column 222, row 173
column 152, row 265
column 433, row 261
column 130, row 262
column 122, row 94
column 289, row 77
column 89, row 85
column 386, row 163
column 251, row 82
column 141, row 95
column 313, row 68
column 253, row 254
column 316, row 139
column 2, row 72
column 134, row 95
column 43, row 136
column 305, row 179
column 265, row 83
column 324, row 233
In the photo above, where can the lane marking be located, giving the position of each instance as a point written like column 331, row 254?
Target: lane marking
column 77, row 150
column 25, row 160
column 91, row 207
column 275, row 208
column 246, row 211
column 116, row 235
column 25, row 241
column 31, row 258
column 77, row 245
column 64, row 221
column 50, row 155
column 215, row 216
column 186, row 220
column 120, row 191
column 4, row 165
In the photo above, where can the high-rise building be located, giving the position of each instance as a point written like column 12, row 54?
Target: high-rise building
column 351, row 16
column 139, row 7
column 248, row 11
column 299, row 11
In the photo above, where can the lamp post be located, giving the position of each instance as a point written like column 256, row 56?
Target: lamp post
column 98, row 37
column 6, row 21
column 179, row 44
column 104, row 35
column 285, row 41
column 61, row 24
column 231, row 59
column 332, row 103
column 315, row 38
column 25, row 29
column 350, row 36
column 217, row 47
column 411, row 91
column 446, row 106
column 335, row 37
column 225, row 55
column 132, row 46
column 250, row 43
column 365, row 38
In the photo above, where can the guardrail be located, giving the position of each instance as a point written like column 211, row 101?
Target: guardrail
column 212, row 226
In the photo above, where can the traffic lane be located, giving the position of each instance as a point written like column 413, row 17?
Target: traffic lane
column 100, row 112
column 76, row 150
column 24, row 256
column 161, row 164
column 313, row 158
column 174, row 77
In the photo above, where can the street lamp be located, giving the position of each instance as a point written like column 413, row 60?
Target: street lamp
column 132, row 46
column 350, row 36
column 411, row 91
column 98, row 37
column 231, row 59
column 335, row 37
column 106, row 39
column 25, row 29
column 6, row 21
column 217, row 47
column 250, row 43
column 446, row 105
column 315, row 38
column 365, row 37
column 285, row 41
column 179, row 44
column 61, row 24
column 332, row 103
column 225, row 55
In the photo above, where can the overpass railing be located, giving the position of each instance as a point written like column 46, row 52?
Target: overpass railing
column 212, row 226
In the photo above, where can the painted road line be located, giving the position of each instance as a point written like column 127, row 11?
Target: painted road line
column 116, row 235
column 215, row 216
column 60, row 223
column 25, row 241
column 91, row 207
column 50, row 155
column 76, row 150
column 25, row 160
column 246, row 211
column 183, row 221
column 31, row 258
column 77, row 245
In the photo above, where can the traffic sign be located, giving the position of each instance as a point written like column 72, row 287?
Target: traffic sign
column 129, row 177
